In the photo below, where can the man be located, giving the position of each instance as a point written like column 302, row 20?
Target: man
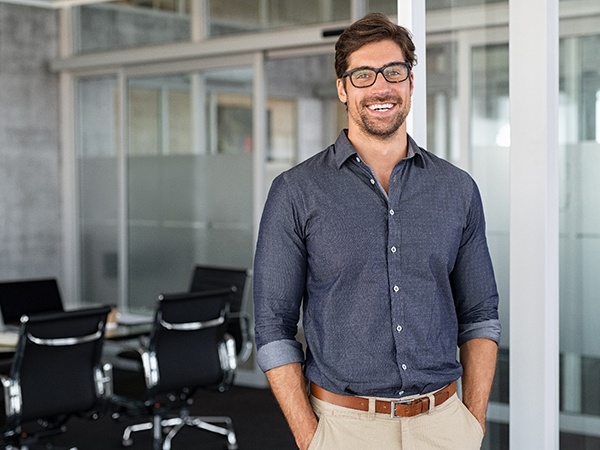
column 382, row 245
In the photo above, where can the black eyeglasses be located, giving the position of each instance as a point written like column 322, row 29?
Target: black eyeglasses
column 363, row 77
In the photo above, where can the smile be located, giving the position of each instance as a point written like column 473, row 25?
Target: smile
column 381, row 107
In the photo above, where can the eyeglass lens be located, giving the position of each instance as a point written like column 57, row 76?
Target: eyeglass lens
column 366, row 77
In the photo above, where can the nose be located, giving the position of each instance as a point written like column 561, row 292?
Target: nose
column 380, row 84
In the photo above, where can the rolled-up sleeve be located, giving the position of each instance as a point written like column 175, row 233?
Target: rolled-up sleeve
column 279, row 279
column 473, row 282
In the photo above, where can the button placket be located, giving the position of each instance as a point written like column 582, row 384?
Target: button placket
column 395, row 272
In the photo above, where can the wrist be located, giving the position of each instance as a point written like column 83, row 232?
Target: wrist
column 305, row 436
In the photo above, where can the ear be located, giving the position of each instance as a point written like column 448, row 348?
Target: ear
column 412, row 83
column 341, row 90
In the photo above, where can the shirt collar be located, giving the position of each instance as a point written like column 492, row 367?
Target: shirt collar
column 343, row 150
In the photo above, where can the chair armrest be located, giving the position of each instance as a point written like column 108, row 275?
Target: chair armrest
column 104, row 381
column 12, row 396
column 228, row 360
column 150, row 365
column 246, row 344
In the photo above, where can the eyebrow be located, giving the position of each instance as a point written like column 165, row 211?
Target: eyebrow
column 375, row 68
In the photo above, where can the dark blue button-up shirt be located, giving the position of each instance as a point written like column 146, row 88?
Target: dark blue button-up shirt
column 390, row 283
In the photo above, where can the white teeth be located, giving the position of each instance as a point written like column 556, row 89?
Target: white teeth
column 381, row 107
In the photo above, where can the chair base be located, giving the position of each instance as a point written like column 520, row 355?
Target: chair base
column 19, row 440
column 177, row 423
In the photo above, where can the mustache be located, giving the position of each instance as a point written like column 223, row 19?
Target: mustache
column 382, row 99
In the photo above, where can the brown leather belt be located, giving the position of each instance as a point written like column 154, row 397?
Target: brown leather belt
column 399, row 408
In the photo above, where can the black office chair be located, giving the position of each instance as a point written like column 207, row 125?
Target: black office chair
column 238, row 322
column 56, row 373
column 188, row 349
column 26, row 296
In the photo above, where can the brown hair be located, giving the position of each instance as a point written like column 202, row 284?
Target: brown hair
column 374, row 27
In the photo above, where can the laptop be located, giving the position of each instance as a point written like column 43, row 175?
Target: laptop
column 28, row 297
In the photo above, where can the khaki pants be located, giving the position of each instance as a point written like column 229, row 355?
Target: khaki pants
column 450, row 426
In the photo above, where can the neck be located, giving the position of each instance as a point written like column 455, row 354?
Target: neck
column 378, row 151
column 381, row 154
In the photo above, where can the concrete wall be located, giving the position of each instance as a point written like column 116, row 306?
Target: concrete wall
column 30, row 220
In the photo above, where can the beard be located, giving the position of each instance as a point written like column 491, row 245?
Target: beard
column 378, row 127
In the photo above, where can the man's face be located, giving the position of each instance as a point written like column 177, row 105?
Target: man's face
column 379, row 110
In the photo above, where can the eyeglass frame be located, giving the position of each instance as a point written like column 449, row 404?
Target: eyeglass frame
column 349, row 73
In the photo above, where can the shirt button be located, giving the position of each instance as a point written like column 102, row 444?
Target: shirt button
column 392, row 212
column 399, row 328
column 372, row 181
column 393, row 249
column 357, row 159
column 396, row 288
column 403, row 366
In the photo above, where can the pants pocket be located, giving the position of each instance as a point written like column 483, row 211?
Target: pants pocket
column 318, row 437
column 472, row 419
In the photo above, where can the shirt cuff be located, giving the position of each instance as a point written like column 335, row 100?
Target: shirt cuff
column 279, row 353
column 489, row 329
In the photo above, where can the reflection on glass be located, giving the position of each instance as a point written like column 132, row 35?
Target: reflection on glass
column 489, row 124
column 98, row 190
column 447, row 4
column 304, row 112
column 490, row 97
column 467, row 124
column 242, row 16
column 189, row 178
column 580, row 225
column 126, row 24
column 441, row 100
column 388, row 7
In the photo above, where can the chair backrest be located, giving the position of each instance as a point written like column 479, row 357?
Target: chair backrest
column 56, row 363
column 28, row 297
column 187, row 332
column 210, row 278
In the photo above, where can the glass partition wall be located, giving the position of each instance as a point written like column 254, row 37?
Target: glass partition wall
column 168, row 177
column 189, row 188
column 468, row 124
column 97, row 159
column 579, row 139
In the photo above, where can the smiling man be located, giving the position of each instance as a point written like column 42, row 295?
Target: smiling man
column 382, row 246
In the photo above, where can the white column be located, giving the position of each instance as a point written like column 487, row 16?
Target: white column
column 259, row 131
column 70, row 280
column 534, row 399
column 411, row 14
column 122, row 152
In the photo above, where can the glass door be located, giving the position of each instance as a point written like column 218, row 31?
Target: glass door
column 189, row 178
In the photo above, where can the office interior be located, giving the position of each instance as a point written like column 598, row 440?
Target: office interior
column 139, row 138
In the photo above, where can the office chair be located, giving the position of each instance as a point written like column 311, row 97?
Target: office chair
column 56, row 373
column 238, row 322
column 188, row 349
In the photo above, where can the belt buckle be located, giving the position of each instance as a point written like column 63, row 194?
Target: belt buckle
column 393, row 404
